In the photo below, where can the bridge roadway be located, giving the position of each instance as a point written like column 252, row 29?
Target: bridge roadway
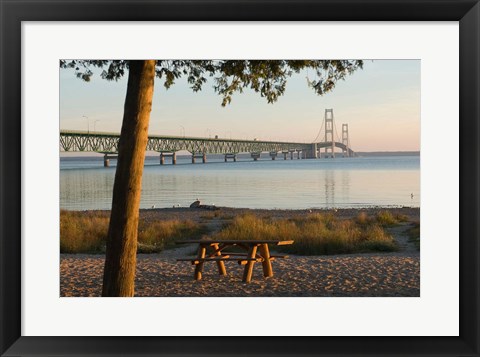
column 107, row 144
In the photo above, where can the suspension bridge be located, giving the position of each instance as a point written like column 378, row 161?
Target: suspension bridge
column 168, row 146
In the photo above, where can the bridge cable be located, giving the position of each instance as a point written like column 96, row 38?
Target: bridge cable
column 320, row 132
column 336, row 133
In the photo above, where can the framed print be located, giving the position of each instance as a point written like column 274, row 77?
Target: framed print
column 58, row 303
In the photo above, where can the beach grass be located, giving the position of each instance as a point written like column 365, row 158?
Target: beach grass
column 83, row 232
column 157, row 236
column 86, row 232
column 315, row 234
column 384, row 218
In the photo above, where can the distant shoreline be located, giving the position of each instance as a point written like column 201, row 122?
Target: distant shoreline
column 388, row 153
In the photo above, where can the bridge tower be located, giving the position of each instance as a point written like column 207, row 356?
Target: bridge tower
column 346, row 151
column 329, row 135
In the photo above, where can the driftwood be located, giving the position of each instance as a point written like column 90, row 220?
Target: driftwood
column 197, row 204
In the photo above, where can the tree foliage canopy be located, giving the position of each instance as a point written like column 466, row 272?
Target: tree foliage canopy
column 267, row 77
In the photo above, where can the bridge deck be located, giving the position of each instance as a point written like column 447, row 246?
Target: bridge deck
column 78, row 141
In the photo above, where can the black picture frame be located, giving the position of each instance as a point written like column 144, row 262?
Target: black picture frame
column 467, row 12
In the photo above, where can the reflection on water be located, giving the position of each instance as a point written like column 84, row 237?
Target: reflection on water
column 290, row 184
column 329, row 188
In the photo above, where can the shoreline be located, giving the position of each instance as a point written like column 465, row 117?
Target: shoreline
column 412, row 212
column 198, row 214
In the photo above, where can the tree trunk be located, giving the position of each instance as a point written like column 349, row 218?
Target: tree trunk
column 120, row 262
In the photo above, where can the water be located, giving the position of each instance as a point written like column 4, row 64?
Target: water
column 386, row 181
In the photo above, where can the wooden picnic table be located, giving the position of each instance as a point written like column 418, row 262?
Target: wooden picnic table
column 256, row 251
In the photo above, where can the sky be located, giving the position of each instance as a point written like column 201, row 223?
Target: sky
column 380, row 103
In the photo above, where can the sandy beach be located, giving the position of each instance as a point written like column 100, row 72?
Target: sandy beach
column 160, row 275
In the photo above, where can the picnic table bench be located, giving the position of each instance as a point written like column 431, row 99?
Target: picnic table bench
column 257, row 251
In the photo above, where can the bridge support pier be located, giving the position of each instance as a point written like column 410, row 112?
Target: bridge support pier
column 107, row 157
column 345, row 151
column 163, row 155
column 314, row 151
column 231, row 156
column 202, row 156
column 310, row 153
column 255, row 156
column 329, row 155
column 273, row 154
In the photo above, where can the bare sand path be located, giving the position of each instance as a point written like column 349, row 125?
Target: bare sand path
column 401, row 236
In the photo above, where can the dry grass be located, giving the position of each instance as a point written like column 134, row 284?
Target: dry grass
column 81, row 233
column 315, row 234
column 86, row 232
column 384, row 218
column 387, row 218
column 160, row 235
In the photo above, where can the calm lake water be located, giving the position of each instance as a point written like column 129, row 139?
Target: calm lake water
column 385, row 181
